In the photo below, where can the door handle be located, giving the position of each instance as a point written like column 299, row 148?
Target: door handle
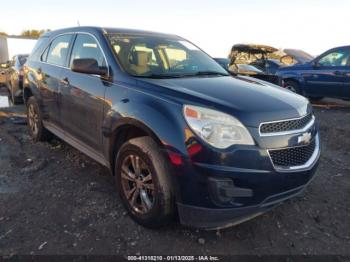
column 65, row 81
column 339, row 73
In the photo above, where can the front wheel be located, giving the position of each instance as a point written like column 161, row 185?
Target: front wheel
column 144, row 183
column 315, row 98
column 292, row 86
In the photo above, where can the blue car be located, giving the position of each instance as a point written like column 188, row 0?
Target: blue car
column 179, row 134
column 328, row 75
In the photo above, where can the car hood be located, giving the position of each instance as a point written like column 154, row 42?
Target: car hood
column 299, row 55
column 252, row 101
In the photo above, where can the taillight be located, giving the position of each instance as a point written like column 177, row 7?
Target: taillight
column 175, row 158
column 283, row 84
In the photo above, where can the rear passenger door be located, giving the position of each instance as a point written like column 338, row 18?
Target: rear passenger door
column 345, row 92
column 54, row 59
column 83, row 96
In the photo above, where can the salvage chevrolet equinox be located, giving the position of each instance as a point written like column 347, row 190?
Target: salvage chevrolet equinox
column 181, row 136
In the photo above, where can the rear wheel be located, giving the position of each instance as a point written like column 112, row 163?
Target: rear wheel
column 143, row 181
column 34, row 118
column 292, row 86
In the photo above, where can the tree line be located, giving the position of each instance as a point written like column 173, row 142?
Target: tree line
column 29, row 33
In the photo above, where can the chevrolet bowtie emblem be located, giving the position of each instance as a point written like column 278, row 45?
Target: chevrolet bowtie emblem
column 304, row 138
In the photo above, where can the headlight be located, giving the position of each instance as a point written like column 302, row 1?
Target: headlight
column 217, row 129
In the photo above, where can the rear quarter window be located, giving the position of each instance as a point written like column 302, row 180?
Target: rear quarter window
column 38, row 49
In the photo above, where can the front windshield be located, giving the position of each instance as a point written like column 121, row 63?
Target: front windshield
column 155, row 56
column 299, row 55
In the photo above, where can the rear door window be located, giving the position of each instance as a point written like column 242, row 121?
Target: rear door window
column 38, row 49
column 58, row 51
column 44, row 55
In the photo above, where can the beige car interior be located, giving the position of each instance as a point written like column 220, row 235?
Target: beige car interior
column 140, row 61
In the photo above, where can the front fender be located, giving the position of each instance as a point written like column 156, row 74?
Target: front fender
column 161, row 119
column 296, row 76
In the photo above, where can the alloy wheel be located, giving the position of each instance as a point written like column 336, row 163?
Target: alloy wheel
column 291, row 88
column 137, row 184
column 33, row 119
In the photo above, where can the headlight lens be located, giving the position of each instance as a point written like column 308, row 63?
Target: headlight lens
column 217, row 129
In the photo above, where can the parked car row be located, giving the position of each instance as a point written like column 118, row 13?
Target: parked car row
column 13, row 55
column 261, row 61
column 181, row 136
column 12, row 73
column 327, row 75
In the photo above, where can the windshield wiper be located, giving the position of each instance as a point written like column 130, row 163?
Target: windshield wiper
column 161, row 76
column 199, row 73
column 209, row 73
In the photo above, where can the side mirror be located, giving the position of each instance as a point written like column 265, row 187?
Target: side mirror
column 88, row 66
column 315, row 64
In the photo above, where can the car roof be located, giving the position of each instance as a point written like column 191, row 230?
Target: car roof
column 107, row 30
column 339, row 47
column 253, row 48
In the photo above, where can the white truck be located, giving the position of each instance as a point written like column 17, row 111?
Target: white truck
column 9, row 47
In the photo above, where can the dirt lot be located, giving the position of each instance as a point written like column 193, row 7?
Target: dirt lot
column 54, row 200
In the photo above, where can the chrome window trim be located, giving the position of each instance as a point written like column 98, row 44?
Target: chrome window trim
column 309, row 164
column 73, row 33
column 290, row 132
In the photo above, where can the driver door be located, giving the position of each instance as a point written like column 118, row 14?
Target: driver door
column 327, row 76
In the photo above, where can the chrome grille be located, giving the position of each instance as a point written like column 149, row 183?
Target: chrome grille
column 285, row 125
column 294, row 156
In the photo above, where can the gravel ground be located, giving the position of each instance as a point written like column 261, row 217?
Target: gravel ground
column 55, row 200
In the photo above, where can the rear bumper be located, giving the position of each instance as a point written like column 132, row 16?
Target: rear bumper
column 210, row 219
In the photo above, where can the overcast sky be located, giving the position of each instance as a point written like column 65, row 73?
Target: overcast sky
column 311, row 25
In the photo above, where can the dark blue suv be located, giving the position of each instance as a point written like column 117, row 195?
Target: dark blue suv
column 328, row 75
column 180, row 135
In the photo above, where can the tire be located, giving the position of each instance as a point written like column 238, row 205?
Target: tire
column 316, row 98
column 292, row 86
column 150, row 208
column 34, row 119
